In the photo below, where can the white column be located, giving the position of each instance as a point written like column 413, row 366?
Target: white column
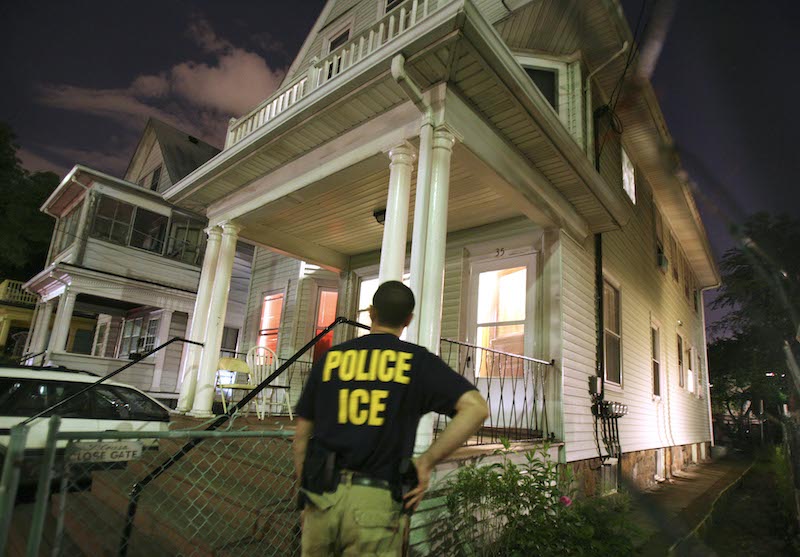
column 204, row 395
column 393, row 249
column 164, row 323
column 190, row 363
column 66, row 304
column 41, row 328
column 430, row 307
column 420, row 231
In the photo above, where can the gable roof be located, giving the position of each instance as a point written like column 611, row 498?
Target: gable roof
column 182, row 152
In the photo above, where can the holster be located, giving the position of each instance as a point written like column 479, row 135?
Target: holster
column 409, row 479
column 320, row 471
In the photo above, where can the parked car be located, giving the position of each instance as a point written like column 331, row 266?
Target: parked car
column 111, row 406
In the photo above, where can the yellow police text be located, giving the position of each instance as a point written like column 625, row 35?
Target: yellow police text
column 384, row 366
column 360, row 406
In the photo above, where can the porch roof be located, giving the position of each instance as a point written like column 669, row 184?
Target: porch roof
column 454, row 45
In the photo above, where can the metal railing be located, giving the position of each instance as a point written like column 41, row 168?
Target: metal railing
column 12, row 291
column 397, row 22
column 515, row 388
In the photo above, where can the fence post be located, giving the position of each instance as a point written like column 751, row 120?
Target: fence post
column 43, row 488
column 9, row 482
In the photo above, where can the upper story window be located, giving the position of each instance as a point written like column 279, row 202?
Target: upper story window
column 186, row 239
column 148, row 231
column 154, row 178
column 628, row 176
column 673, row 251
column 661, row 255
column 112, row 220
column 68, row 228
column 392, row 4
column 612, row 334
column 546, row 81
column 681, row 363
column 655, row 358
column 339, row 40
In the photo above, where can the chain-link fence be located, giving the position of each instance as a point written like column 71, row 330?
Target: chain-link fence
column 189, row 493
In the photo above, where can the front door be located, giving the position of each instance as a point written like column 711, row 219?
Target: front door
column 501, row 294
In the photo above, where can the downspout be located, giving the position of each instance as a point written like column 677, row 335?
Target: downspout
column 420, row 229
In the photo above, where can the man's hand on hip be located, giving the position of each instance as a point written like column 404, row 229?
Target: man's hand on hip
column 413, row 498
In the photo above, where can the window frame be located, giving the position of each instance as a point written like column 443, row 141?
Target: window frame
column 344, row 26
column 155, row 178
column 274, row 292
column 617, row 288
column 680, row 362
column 656, row 359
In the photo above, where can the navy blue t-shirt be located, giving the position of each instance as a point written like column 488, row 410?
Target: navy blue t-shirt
column 366, row 397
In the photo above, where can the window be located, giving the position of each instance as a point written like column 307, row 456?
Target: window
column 612, row 337
column 339, row 40
column 186, row 239
column 26, row 397
column 501, row 317
column 366, row 291
column 661, row 256
column 628, row 176
column 68, row 228
column 230, row 340
column 156, row 176
column 688, row 281
column 149, row 229
column 690, row 379
column 112, row 220
column 118, row 403
column 546, row 82
column 99, row 347
column 326, row 313
column 699, row 374
column 392, row 4
column 138, row 336
column 270, row 321
column 681, row 364
column 673, row 250
column 655, row 357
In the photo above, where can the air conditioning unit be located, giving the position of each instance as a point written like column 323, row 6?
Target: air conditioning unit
column 662, row 262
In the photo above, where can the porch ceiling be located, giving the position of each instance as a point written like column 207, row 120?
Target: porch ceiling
column 337, row 213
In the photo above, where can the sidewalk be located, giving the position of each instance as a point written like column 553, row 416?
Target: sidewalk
column 670, row 513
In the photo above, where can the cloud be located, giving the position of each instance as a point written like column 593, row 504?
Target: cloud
column 33, row 162
column 197, row 97
column 113, row 163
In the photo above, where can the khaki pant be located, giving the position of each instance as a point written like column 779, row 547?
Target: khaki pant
column 353, row 521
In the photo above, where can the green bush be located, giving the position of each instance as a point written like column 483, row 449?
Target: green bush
column 512, row 510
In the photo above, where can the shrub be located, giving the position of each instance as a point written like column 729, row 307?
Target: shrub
column 511, row 509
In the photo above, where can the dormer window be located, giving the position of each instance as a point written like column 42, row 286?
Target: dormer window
column 156, row 176
column 339, row 40
column 546, row 80
column 392, row 4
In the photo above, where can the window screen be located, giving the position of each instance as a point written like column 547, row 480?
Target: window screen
column 112, row 220
column 149, row 229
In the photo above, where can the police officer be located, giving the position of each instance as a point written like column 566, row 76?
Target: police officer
column 356, row 424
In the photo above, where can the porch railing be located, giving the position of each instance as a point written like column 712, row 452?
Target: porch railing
column 397, row 22
column 12, row 291
column 515, row 388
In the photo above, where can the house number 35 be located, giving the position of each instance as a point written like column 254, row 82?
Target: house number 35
column 500, row 252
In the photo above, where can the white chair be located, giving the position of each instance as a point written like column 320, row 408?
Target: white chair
column 262, row 362
column 237, row 366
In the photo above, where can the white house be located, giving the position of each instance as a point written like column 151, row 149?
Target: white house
column 130, row 261
column 516, row 205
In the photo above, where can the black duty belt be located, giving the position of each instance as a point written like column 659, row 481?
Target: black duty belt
column 357, row 478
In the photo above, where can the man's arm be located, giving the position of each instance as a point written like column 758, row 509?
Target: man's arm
column 471, row 411
column 302, row 433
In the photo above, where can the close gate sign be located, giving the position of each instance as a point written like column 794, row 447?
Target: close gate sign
column 118, row 451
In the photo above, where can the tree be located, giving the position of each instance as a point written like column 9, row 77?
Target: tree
column 25, row 231
column 761, row 291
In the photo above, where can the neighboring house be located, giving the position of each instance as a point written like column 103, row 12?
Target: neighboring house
column 463, row 144
column 131, row 261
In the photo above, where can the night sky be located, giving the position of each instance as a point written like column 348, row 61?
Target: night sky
column 81, row 77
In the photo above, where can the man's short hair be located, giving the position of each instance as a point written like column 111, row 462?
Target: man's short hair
column 393, row 303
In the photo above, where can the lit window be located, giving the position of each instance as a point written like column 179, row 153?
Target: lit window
column 501, row 319
column 612, row 334
column 270, row 321
column 681, row 364
column 326, row 313
column 656, row 360
column 628, row 176
column 366, row 292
